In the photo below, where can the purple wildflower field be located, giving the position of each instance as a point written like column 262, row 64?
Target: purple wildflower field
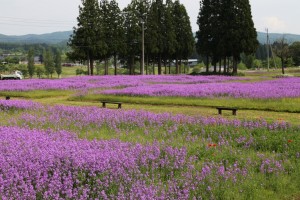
column 178, row 86
column 279, row 88
column 68, row 152
column 88, row 82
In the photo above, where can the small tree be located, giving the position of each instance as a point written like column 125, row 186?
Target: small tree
column 57, row 63
column 23, row 69
column 257, row 63
column 40, row 71
column 295, row 52
column 49, row 62
column 281, row 49
column 30, row 66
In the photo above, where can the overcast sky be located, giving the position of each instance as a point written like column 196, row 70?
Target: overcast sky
column 19, row 17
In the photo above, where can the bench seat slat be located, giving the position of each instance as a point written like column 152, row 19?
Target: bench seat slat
column 111, row 102
column 226, row 108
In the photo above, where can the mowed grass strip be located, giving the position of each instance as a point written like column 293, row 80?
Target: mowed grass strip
column 291, row 105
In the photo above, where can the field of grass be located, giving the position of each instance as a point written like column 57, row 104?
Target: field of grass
column 62, row 144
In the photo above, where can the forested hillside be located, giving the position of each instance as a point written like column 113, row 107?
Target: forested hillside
column 63, row 37
column 49, row 38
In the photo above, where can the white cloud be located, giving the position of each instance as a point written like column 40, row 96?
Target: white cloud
column 275, row 24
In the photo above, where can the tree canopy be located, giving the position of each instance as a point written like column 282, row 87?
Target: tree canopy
column 104, row 31
column 226, row 29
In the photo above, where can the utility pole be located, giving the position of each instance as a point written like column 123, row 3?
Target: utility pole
column 268, row 49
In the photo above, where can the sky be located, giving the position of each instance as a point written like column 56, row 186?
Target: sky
column 20, row 17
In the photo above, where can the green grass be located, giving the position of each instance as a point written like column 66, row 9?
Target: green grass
column 291, row 105
column 272, row 110
column 35, row 95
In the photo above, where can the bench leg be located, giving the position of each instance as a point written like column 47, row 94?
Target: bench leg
column 119, row 106
column 234, row 112
column 220, row 111
column 103, row 105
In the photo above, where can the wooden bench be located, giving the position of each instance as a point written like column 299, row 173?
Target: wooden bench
column 226, row 108
column 111, row 102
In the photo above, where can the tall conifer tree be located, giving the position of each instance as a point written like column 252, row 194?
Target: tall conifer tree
column 156, row 23
column 184, row 35
column 226, row 29
column 30, row 66
column 87, row 39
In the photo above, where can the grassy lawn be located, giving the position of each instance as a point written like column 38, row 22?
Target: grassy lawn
column 272, row 110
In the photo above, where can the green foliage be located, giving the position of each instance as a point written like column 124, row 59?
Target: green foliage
column 156, row 32
column 30, row 65
column 184, row 36
column 248, row 60
column 12, row 59
column 113, row 31
column 3, row 67
column 40, row 71
column 23, row 69
column 226, row 29
column 103, row 32
column 87, row 38
column 242, row 66
column 57, row 63
column 281, row 50
column 295, row 52
column 197, row 69
column 49, row 62
column 257, row 63
column 81, row 72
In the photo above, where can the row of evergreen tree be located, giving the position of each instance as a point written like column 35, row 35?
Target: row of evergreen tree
column 105, row 31
column 226, row 30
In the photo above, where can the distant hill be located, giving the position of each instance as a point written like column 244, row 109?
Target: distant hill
column 63, row 37
column 48, row 38
column 290, row 38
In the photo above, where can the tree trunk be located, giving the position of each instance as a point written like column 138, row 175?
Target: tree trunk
column 115, row 63
column 147, row 63
column 225, row 66
column 132, row 66
column 165, row 64
column 153, row 68
column 92, row 66
column 105, row 67
column 88, row 65
column 169, row 66
column 177, row 66
column 282, row 66
column 159, row 64
column 207, row 64
column 180, row 66
column 235, row 61
column 228, row 66
column 215, row 67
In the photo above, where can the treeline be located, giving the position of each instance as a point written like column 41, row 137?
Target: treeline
column 50, row 57
column 226, row 30
column 7, row 47
column 150, row 32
